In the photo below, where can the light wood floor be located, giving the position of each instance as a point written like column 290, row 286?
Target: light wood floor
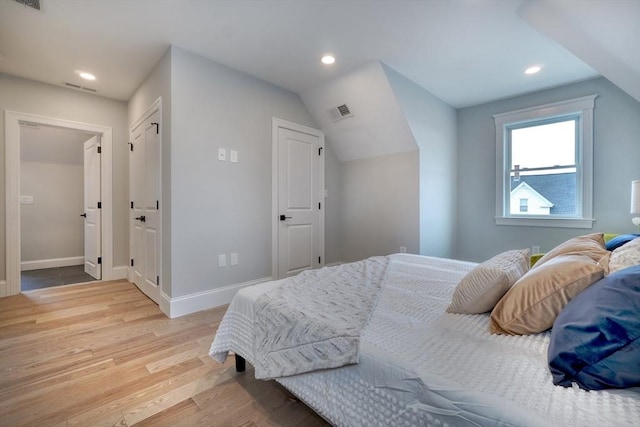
column 103, row 354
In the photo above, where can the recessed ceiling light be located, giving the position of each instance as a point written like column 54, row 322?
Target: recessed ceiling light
column 328, row 59
column 86, row 76
column 533, row 70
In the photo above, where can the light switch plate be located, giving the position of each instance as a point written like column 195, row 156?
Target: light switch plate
column 222, row 260
column 26, row 200
column 233, row 258
column 222, row 154
column 233, row 156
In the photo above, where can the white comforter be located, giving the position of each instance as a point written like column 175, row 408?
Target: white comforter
column 420, row 366
column 314, row 320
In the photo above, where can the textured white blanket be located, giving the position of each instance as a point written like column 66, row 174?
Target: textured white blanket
column 315, row 319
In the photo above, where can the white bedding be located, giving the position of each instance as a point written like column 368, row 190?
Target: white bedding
column 315, row 320
column 422, row 366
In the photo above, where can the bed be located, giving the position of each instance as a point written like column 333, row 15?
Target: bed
column 418, row 365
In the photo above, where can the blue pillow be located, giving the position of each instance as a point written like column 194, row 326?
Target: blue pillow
column 620, row 240
column 595, row 340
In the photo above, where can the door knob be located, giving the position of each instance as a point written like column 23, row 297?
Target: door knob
column 141, row 218
column 283, row 217
column 84, row 215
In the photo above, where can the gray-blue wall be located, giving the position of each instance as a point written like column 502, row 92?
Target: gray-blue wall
column 616, row 164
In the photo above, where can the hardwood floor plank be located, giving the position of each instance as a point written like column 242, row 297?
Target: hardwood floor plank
column 103, row 354
column 172, row 416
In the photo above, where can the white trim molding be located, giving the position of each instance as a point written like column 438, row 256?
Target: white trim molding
column 187, row 304
column 12, row 120
column 119, row 272
column 51, row 263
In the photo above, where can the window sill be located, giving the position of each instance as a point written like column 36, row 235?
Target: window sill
column 546, row 222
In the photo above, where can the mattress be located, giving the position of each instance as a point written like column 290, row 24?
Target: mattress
column 420, row 366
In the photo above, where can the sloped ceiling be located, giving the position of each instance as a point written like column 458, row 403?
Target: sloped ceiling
column 378, row 126
column 605, row 35
column 465, row 52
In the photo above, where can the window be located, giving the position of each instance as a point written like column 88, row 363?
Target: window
column 524, row 205
column 544, row 165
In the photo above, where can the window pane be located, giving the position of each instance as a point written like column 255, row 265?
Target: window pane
column 544, row 193
column 546, row 145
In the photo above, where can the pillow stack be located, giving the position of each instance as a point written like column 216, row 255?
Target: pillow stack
column 595, row 339
column 532, row 304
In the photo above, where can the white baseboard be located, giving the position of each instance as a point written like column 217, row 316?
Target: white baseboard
column 51, row 263
column 4, row 289
column 120, row 272
column 181, row 306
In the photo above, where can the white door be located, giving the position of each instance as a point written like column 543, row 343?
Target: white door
column 144, row 169
column 92, row 208
column 300, row 194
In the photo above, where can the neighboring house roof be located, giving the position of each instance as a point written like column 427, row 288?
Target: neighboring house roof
column 559, row 189
column 542, row 201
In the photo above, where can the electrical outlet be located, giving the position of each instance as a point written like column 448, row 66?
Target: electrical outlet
column 233, row 258
column 403, row 249
column 535, row 249
column 233, row 156
column 222, row 154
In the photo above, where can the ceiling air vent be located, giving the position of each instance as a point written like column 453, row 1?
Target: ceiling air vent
column 75, row 86
column 340, row 112
column 35, row 4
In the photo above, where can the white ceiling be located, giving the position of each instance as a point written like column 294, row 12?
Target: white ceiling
column 465, row 52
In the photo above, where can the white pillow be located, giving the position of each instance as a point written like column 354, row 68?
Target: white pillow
column 625, row 256
column 480, row 290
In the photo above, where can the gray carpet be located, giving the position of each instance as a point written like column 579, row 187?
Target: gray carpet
column 49, row 277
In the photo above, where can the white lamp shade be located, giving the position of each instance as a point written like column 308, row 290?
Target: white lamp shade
column 635, row 197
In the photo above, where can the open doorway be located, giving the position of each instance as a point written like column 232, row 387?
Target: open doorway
column 56, row 218
column 14, row 122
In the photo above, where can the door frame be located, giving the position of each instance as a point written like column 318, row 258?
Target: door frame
column 12, row 190
column 155, row 106
column 275, row 125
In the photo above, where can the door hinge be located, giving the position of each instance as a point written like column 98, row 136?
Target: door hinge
column 131, row 262
column 158, row 280
column 319, row 260
column 131, row 204
column 157, row 205
column 320, row 151
column 131, row 146
column 319, row 205
column 99, row 205
column 99, row 149
column 99, row 260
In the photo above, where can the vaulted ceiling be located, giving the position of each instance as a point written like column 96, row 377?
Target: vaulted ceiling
column 465, row 52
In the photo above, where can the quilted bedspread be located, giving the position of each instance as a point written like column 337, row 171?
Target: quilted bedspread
column 420, row 366
column 315, row 319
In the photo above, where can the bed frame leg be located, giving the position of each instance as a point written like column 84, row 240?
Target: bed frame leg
column 240, row 363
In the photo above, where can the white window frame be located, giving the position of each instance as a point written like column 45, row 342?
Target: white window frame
column 584, row 174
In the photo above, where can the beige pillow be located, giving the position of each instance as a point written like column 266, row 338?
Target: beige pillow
column 591, row 245
column 625, row 256
column 533, row 303
column 482, row 287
